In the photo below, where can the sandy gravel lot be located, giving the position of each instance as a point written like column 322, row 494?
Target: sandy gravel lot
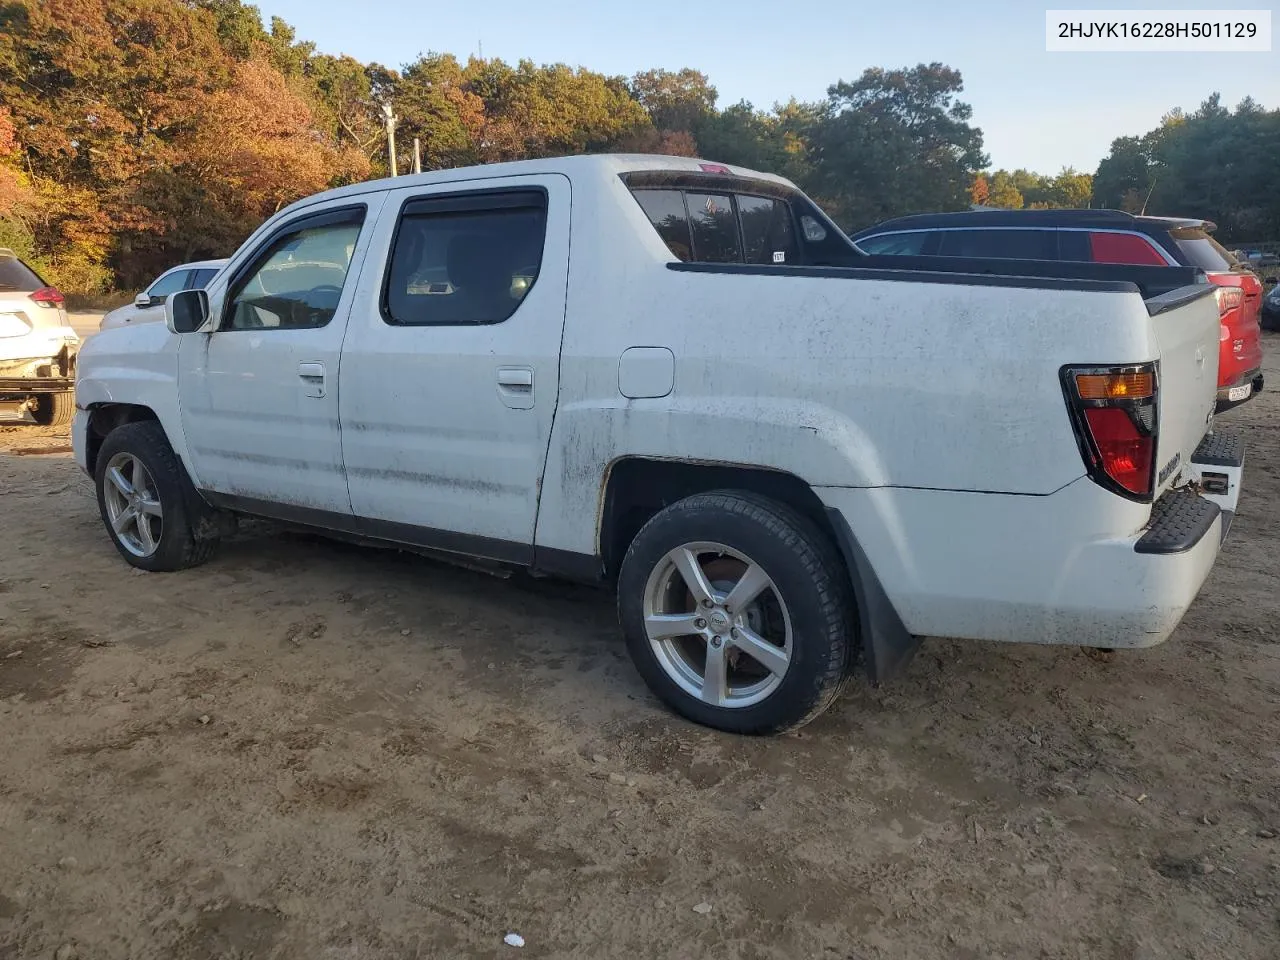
column 306, row 750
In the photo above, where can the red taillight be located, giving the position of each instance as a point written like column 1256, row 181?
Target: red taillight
column 1125, row 453
column 48, row 297
column 713, row 168
column 1114, row 411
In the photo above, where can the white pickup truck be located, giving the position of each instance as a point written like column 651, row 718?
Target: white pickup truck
column 673, row 377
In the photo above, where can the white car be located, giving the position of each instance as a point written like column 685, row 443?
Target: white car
column 784, row 463
column 38, row 348
column 149, row 305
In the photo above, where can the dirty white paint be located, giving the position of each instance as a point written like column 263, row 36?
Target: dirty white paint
column 433, row 435
column 930, row 414
column 1055, row 569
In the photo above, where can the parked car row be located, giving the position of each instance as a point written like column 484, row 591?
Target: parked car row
column 1100, row 236
column 789, row 458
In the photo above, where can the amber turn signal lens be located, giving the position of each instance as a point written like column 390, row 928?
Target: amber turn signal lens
column 1115, row 386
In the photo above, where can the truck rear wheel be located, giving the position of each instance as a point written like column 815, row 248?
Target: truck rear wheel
column 737, row 612
column 55, row 409
column 151, row 511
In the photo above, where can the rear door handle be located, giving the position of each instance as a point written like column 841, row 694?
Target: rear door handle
column 312, row 375
column 515, row 377
column 515, row 387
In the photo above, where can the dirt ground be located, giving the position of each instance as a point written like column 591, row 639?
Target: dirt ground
column 307, row 750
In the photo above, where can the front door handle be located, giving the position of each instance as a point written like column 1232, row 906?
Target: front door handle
column 312, row 375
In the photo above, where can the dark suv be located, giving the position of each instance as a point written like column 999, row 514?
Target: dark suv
column 1099, row 236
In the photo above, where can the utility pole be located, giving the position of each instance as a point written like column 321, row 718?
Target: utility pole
column 417, row 155
column 389, row 113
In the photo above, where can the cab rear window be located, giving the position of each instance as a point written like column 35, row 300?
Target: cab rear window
column 702, row 226
column 665, row 210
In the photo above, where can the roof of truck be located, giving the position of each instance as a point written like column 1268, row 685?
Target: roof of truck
column 617, row 163
column 1032, row 218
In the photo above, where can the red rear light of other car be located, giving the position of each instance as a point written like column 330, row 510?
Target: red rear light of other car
column 1229, row 298
column 1114, row 413
column 713, row 168
column 48, row 297
column 1124, row 248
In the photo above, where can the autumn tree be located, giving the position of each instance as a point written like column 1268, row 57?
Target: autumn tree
column 1002, row 193
column 1071, row 188
column 18, row 201
column 552, row 110
column 435, row 101
column 256, row 153
column 679, row 100
column 979, row 191
column 344, row 102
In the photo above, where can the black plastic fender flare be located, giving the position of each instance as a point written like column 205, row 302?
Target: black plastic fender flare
column 887, row 645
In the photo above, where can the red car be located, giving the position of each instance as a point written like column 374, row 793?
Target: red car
column 1100, row 236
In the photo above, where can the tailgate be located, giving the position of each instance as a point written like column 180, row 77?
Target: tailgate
column 1186, row 327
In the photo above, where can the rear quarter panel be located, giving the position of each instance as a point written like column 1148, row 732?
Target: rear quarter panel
column 844, row 382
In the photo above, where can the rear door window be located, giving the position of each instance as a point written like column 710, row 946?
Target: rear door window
column 16, row 275
column 910, row 243
column 1201, row 250
column 768, row 232
column 999, row 244
column 1105, row 247
column 465, row 260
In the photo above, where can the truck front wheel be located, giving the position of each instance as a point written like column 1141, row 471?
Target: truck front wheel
column 737, row 612
column 152, row 513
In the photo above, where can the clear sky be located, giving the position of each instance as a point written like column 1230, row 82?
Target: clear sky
column 1038, row 110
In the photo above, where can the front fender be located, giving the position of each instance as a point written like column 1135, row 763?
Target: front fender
column 135, row 366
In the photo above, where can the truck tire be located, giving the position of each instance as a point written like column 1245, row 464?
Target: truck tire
column 151, row 511
column 738, row 612
column 55, row 409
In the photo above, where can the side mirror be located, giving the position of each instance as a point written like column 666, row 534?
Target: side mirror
column 186, row 311
column 142, row 301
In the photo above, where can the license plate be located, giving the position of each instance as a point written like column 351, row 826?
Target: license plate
column 1239, row 393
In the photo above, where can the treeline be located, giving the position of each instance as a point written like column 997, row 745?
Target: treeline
column 1215, row 163
column 139, row 133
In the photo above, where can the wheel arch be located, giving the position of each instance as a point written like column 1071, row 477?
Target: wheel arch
column 105, row 417
column 637, row 488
